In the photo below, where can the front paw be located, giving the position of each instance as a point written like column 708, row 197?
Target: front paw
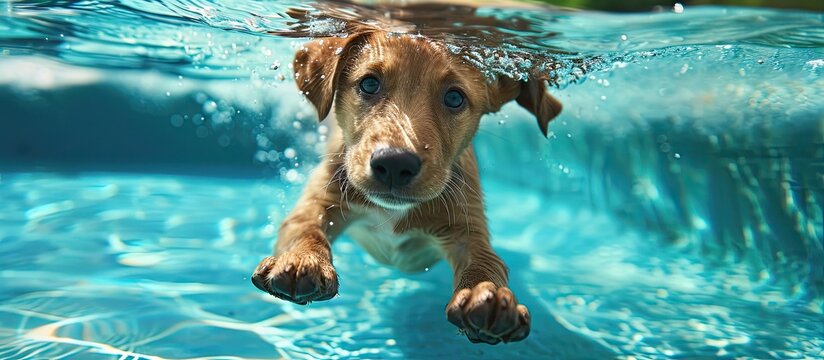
column 298, row 277
column 489, row 314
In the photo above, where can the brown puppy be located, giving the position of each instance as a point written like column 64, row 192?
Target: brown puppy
column 401, row 177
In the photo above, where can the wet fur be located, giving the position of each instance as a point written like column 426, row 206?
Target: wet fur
column 445, row 219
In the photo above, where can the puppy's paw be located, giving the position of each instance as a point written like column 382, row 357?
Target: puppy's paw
column 489, row 314
column 298, row 277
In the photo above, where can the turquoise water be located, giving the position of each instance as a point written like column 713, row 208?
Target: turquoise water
column 148, row 149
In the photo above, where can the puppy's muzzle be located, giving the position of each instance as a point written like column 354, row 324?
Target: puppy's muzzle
column 394, row 167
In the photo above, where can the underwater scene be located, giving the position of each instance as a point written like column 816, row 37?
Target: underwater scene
column 149, row 151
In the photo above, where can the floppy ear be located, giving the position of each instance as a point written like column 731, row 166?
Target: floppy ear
column 318, row 65
column 531, row 95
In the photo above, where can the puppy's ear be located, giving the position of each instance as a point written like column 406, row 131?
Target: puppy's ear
column 318, row 65
column 531, row 95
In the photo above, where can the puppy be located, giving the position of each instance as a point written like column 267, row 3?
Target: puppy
column 400, row 177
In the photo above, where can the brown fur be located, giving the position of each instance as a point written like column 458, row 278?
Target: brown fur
column 443, row 214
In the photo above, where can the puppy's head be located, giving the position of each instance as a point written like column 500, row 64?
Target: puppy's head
column 407, row 108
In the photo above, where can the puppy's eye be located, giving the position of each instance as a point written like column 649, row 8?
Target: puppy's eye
column 453, row 99
column 370, row 85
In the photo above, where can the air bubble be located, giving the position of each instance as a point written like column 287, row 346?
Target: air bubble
column 209, row 107
column 292, row 176
column 260, row 156
column 197, row 119
column 290, row 153
column 224, row 140
column 202, row 132
column 272, row 155
column 176, row 120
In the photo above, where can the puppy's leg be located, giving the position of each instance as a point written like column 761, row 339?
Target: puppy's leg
column 301, row 269
column 482, row 305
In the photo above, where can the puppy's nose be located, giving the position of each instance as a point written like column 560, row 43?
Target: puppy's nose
column 394, row 167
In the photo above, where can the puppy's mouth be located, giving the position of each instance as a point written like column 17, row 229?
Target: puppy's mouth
column 392, row 201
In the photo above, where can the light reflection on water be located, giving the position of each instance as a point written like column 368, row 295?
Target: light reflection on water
column 138, row 266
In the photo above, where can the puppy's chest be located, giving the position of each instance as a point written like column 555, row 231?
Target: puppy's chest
column 410, row 251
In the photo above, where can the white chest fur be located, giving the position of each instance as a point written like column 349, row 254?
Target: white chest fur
column 409, row 251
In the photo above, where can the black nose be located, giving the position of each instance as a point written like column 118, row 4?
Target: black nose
column 394, row 167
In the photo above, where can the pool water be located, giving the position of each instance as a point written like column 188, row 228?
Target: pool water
column 149, row 149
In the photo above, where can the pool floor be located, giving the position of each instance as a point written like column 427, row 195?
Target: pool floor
column 140, row 266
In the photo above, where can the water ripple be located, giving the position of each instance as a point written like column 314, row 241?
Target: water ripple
column 226, row 39
column 594, row 290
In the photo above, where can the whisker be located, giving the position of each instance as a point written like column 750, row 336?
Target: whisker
column 390, row 218
column 446, row 206
column 452, row 195
column 473, row 190
column 344, row 189
column 455, row 191
column 498, row 137
column 335, row 176
column 326, row 155
column 346, row 198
